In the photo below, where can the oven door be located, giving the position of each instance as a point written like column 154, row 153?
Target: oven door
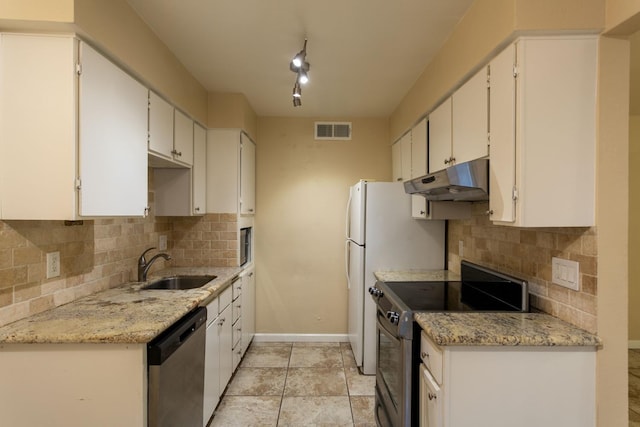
column 393, row 373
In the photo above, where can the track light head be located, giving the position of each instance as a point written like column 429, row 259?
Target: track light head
column 303, row 77
column 299, row 60
column 297, row 90
column 297, row 101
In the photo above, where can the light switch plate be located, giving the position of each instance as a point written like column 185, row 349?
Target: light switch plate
column 162, row 242
column 53, row 264
column 565, row 273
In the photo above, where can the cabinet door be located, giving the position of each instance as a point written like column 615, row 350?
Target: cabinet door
column 199, row 170
column 502, row 117
column 38, row 132
column 419, row 166
column 431, row 405
column 225, row 346
column 440, row 137
column 112, row 139
column 183, row 138
column 211, row 371
column 405, row 146
column 396, row 161
column 247, row 176
column 470, row 119
column 160, row 126
column 248, row 307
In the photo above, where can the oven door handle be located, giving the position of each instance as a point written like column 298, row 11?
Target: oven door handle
column 382, row 326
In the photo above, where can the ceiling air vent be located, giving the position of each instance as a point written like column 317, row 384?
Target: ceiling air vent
column 333, row 130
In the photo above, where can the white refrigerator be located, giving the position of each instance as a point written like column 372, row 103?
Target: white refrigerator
column 382, row 236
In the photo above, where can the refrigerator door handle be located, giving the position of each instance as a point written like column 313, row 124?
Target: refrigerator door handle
column 347, row 221
column 346, row 262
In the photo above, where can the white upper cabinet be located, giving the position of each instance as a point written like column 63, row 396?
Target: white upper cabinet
column 73, row 125
column 440, row 132
column 401, row 158
column 230, row 172
column 160, row 126
column 458, row 128
column 247, row 175
column 470, row 112
column 199, row 170
column 543, row 110
column 183, row 138
column 113, row 139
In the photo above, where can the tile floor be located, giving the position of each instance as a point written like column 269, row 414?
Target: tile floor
column 297, row 384
column 634, row 388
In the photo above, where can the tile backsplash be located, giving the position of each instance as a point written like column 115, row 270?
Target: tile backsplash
column 100, row 254
column 527, row 253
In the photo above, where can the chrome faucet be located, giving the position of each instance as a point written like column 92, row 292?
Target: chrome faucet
column 143, row 265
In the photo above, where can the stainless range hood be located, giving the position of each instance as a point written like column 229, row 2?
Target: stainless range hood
column 467, row 181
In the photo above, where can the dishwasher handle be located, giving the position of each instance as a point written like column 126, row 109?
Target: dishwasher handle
column 163, row 346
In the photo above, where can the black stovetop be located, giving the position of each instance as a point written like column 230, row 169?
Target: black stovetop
column 480, row 289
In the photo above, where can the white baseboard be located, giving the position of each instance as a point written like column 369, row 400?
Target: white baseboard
column 300, row 338
column 634, row 344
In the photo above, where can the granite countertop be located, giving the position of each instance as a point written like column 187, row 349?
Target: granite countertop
column 502, row 329
column 417, row 276
column 127, row 314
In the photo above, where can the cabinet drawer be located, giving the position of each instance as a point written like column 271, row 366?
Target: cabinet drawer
column 236, row 309
column 237, row 288
column 225, row 298
column 431, row 356
column 237, row 334
column 237, row 355
column 213, row 309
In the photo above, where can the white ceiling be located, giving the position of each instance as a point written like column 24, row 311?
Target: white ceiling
column 364, row 54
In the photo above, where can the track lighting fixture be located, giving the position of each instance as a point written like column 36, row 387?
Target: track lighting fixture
column 300, row 66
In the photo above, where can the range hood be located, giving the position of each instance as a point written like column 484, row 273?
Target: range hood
column 467, row 181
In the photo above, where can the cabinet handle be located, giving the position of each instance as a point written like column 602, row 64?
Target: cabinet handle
column 424, row 354
column 176, row 152
column 251, row 274
column 250, row 210
column 398, row 179
column 489, row 212
column 422, row 212
column 446, row 161
column 197, row 209
column 431, row 396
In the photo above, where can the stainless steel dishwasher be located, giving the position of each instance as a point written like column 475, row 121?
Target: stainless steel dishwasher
column 176, row 373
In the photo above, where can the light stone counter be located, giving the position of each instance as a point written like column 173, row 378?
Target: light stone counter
column 126, row 314
column 502, row 329
column 417, row 276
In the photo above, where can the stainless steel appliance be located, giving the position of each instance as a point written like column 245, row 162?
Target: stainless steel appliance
column 176, row 373
column 379, row 218
column 398, row 336
column 245, row 245
column 468, row 181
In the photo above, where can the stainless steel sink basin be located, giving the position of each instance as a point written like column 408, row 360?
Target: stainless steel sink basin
column 180, row 282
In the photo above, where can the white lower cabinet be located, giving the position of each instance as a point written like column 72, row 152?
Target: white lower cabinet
column 249, row 307
column 506, row 386
column 217, row 363
column 211, row 362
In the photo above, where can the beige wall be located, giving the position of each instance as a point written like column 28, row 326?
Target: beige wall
column 302, row 191
column 37, row 10
column 232, row 111
column 634, row 228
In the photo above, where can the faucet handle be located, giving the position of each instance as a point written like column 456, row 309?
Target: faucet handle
column 142, row 259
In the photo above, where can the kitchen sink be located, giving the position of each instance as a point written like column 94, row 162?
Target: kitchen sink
column 180, row 282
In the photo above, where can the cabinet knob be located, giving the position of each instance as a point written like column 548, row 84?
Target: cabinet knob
column 221, row 322
column 431, row 396
column 446, row 161
column 424, row 354
column 422, row 212
column 250, row 210
column 489, row 212
column 398, row 179
column 197, row 209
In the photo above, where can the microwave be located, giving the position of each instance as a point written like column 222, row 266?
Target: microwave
column 245, row 245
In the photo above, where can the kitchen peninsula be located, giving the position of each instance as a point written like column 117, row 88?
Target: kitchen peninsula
column 89, row 357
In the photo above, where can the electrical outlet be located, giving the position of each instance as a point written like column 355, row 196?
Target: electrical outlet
column 162, row 242
column 53, row 264
column 565, row 273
